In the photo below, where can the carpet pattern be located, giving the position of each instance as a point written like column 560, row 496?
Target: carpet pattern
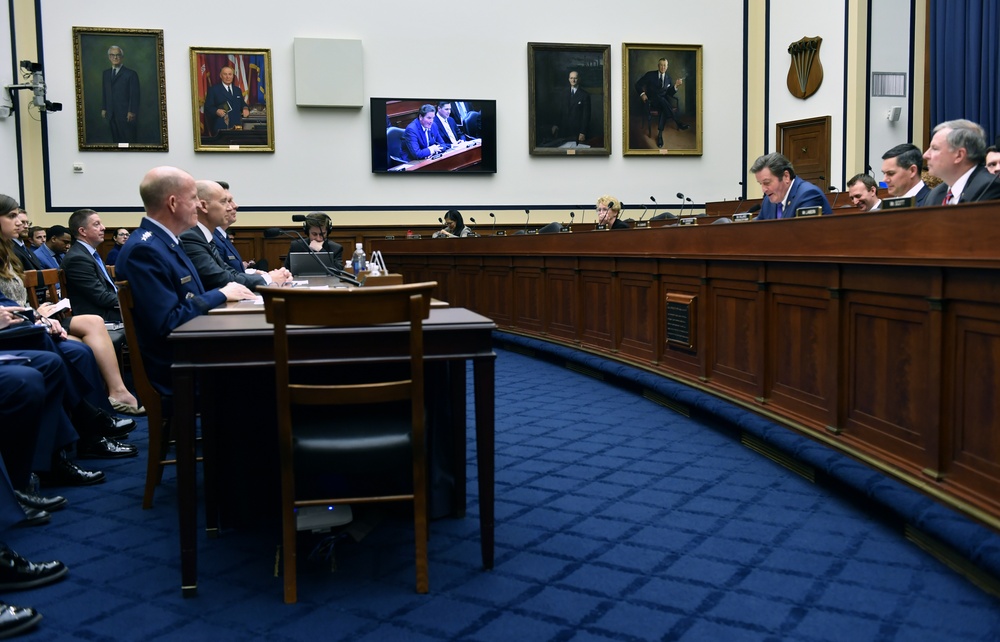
column 617, row 519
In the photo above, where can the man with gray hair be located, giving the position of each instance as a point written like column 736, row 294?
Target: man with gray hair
column 120, row 97
column 901, row 167
column 784, row 193
column 956, row 156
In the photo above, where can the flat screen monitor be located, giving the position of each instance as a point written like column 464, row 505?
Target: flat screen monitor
column 402, row 145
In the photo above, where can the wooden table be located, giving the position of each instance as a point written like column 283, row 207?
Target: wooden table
column 209, row 346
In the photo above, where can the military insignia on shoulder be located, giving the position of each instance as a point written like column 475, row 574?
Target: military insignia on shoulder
column 146, row 235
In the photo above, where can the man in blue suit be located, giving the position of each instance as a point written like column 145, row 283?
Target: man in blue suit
column 165, row 287
column 901, row 167
column 421, row 140
column 783, row 192
column 120, row 97
column 225, row 107
column 229, row 252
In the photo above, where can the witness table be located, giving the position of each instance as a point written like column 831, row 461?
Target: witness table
column 207, row 347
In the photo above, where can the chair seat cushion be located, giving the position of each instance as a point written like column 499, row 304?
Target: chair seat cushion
column 352, row 439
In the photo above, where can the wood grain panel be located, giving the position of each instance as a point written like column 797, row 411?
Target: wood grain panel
column 736, row 337
column 638, row 328
column 528, row 291
column 562, row 303
column 596, row 314
column 799, row 355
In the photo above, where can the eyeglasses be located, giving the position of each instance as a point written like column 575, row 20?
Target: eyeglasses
column 117, row 55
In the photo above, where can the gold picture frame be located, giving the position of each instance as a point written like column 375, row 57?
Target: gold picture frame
column 563, row 122
column 123, row 109
column 238, row 116
column 644, row 115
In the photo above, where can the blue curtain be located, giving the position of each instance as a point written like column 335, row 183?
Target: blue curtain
column 965, row 62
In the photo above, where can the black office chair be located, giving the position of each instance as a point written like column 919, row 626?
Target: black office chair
column 394, row 142
column 551, row 228
column 473, row 124
column 373, row 425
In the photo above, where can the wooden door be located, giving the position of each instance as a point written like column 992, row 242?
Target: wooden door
column 807, row 144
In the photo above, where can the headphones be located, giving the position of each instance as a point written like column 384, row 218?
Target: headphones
column 317, row 219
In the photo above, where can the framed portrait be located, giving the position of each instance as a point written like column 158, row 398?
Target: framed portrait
column 569, row 99
column 121, row 100
column 231, row 92
column 661, row 98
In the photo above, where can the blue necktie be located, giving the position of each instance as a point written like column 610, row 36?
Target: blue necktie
column 104, row 270
column 779, row 210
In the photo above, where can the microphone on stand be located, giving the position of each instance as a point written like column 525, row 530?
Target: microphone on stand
column 739, row 201
column 655, row 205
column 692, row 204
column 527, row 217
column 331, row 270
column 493, row 232
column 473, row 221
column 681, row 196
column 297, row 218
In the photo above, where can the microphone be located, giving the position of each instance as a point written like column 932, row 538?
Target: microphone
column 571, row 217
column 298, row 218
column 527, row 217
column 754, row 209
column 681, row 196
column 655, row 205
column 643, row 214
column 688, row 199
column 739, row 201
column 493, row 232
column 473, row 221
column 331, row 270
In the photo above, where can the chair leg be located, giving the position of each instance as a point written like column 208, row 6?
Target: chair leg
column 289, row 532
column 157, row 450
column 420, row 525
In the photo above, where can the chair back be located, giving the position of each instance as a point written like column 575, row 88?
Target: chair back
column 394, row 143
column 147, row 393
column 39, row 279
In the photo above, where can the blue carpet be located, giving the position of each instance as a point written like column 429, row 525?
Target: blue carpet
column 617, row 519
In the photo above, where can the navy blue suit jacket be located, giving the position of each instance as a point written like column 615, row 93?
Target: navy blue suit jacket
column 214, row 98
column 166, row 292
column 46, row 257
column 801, row 194
column 920, row 199
column 438, row 128
column 414, row 145
column 228, row 250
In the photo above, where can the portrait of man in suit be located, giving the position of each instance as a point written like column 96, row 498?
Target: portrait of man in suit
column 120, row 87
column 120, row 97
column 233, row 98
column 661, row 99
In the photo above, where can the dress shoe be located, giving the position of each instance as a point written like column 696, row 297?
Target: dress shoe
column 125, row 409
column 16, row 619
column 66, row 473
column 33, row 516
column 104, row 448
column 49, row 504
column 18, row 573
column 682, row 127
column 659, row 139
column 101, row 424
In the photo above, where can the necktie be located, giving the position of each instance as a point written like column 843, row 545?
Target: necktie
column 947, row 198
column 214, row 249
column 116, row 71
column 427, row 137
column 661, row 80
column 779, row 211
column 104, row 270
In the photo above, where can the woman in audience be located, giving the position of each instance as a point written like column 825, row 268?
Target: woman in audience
column 88, row 328
column 454, row 226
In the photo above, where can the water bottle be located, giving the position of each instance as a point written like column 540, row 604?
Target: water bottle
column 358, row 261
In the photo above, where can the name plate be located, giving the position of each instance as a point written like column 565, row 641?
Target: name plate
column 389, row 237
column 501, row 233
column 565, row 229
column 808, row 211
column 601, row 227
column 897, row 203
column 742, row 217
column 688, row 220
column 642, row 225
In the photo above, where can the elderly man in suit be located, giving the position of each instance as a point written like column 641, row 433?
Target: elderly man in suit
column 165, row 285
column 200, row 245
column 956, row 156
column 573, row 111
column 420, row 139
column 784, row 193
column 91, row 286
column 901, row 167
column 656, row 89
column 120, row 97
column 225, row 107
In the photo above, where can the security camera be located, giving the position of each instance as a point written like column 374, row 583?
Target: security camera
column 36, row 83
column 31, row 67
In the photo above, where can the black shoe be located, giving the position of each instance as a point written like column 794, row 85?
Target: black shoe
column 659, row 139
column 101, row 424
column 682, row 126
column 49, row 504
column 33, row 516
column 104, row 448
column 18, row 573
column 66, row 473
column 15, row 619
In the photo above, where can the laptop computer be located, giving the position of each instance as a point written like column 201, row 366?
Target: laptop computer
column 310, row 264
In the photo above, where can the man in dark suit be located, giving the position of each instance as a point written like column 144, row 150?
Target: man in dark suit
column 901, row 167
column 200, row 246
column 956, row 156
column 229, row 252
column 317, row 226
column 165, row 286
column 225, row 107
column 783, row 192
column 657, row 89
column 420, row 140
column 445, row 126
column 92, row 288
column 573, row 111
column 120, row 97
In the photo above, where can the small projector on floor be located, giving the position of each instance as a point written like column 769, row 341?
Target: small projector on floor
column 321, row 518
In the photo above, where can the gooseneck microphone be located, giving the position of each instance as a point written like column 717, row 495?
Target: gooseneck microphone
column 527, row 217
column 473, row 221
column 644, row 210
column 681, row 196
column 493, row 232
column 296, row 218
column 655, row 205
column 739, row 201
column 331, row 270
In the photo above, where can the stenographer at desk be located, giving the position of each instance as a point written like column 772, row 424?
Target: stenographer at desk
column 317, row 225
column 454, row 226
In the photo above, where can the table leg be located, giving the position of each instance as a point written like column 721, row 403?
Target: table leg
column 456, row 394
column 483, row 373
column 187, row 495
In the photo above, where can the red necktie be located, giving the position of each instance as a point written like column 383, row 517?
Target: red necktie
column 947, row 198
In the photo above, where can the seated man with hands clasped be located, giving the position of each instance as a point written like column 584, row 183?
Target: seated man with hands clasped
column 317, row 225
column 202, row 248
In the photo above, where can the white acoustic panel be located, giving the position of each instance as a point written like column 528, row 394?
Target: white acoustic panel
column 328, row 73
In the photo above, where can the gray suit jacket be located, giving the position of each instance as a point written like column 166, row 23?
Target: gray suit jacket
column 981, row 186
column 213, row 270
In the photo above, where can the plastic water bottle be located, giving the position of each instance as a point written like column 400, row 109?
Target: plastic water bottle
column 358, row 261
